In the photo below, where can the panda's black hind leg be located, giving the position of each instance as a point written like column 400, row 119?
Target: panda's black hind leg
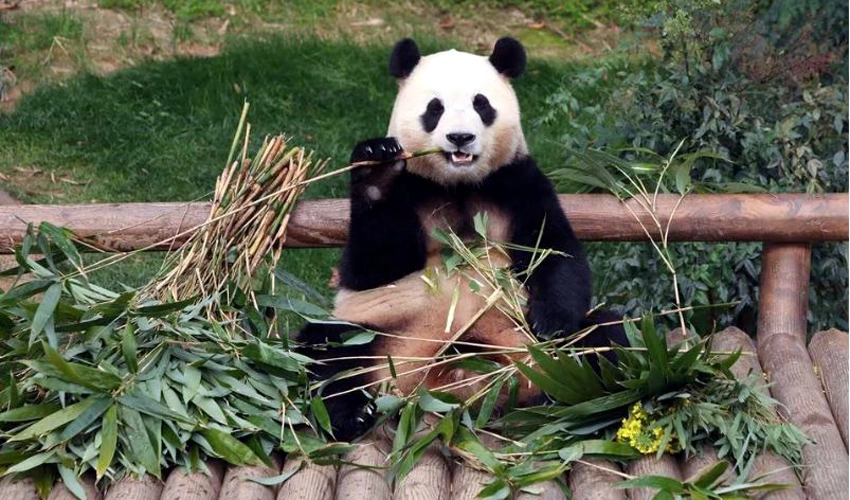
column 351, row 413
column 609, row 330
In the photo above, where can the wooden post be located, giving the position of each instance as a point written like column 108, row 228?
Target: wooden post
column 782, row 352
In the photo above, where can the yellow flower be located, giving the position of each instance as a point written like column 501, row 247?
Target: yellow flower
column 639, row 433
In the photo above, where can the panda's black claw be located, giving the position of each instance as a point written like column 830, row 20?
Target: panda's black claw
column 380, row 149
column 348, row 427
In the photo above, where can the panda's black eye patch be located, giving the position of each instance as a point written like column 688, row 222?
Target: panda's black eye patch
column 482, row 106
column 431, row 117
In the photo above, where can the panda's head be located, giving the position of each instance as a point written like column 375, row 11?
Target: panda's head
column 463, row 104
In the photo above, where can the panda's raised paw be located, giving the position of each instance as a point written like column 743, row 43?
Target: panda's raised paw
column 379, row 149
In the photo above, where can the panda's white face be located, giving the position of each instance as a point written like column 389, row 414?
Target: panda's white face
column 457, row 102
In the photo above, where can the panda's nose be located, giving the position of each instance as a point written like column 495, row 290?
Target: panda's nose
column 460, row 139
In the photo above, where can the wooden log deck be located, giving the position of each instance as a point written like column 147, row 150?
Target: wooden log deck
column 809, row 379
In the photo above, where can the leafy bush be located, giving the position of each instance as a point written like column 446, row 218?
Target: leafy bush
column 765, row 89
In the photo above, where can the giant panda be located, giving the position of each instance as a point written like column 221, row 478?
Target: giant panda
column 465, row 105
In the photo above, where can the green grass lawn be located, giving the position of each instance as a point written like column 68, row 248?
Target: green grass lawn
column 160, row 131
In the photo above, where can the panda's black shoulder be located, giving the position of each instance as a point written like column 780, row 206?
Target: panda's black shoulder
column 517, row 182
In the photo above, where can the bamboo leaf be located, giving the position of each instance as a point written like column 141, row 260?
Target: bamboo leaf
column 707, row 477
column 663, row 483
column 656, row 346
column 585, row 384
column 62, row 238
column 495, row 490
column 682, row 175
column 430, row 402
column 108, row 440
column 55, row 420
column 29, row 412
column 152, row 407
column 489, row 403
column 683, row 363
column 191, row 382
column 597, row 447
column 469, row 442
column 45, row 309
column 276, row 480
column 69, row 478
column 128, row 347
column 85, row 419
column 407, row 423
column 139, row 441
column 550, row 386
column 321, row 413
column 81, row 374
column 229, row 448
column 292, row 281
column 285, row 303
column 24, row 291
column 33, row 462
column 264, row 353
column 601, row 404
column 159, row 310
column 211, row 408
column 544, row 473
column 43, row 478
column 358, row 338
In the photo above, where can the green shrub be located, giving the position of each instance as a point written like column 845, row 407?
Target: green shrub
column 765, row 89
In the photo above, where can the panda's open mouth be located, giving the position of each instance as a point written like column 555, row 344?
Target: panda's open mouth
column 460, row 159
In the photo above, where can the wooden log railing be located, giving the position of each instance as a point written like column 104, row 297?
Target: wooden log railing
column 811, row 383
column 324, row 223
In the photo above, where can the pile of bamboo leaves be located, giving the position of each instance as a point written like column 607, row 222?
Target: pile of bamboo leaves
column 136, row 381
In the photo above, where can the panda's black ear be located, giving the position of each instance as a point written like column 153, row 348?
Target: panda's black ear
column 404, row 58
column 508, row 57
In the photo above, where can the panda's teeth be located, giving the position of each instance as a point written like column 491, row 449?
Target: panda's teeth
column 461, row 158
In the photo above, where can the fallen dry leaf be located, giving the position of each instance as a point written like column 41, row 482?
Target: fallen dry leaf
column 369, row 23
column 28, row 170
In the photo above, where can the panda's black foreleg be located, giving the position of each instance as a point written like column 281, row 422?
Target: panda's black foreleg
column 385, row 240
column 350, row 409
column 558, row 284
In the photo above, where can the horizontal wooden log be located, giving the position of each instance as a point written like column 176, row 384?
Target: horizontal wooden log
column 146, row 487
column 467, row 482
column 594, row 479
column 17, row 489
column 183, row 485
column 430, row 478
column 828, row 350
column 366, row 479
column 87, row 481
column 324, row 223
column 238, row 485
column 648, row 465
column 310, row 482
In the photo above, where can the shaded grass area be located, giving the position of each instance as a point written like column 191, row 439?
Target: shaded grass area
column 161, row 131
